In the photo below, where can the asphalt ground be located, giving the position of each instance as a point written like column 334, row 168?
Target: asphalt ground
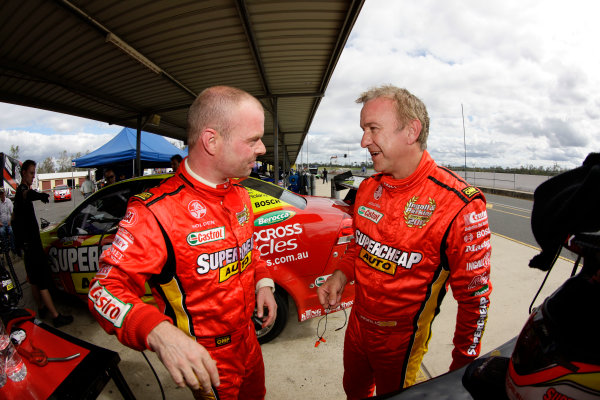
column 295, row 368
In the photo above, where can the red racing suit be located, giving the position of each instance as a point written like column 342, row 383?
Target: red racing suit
column 193, row 245
column 411, row 237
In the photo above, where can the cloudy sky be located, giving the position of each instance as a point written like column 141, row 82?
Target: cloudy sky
column 527, row 74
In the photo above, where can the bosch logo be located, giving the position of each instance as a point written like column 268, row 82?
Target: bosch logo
column 197, row 209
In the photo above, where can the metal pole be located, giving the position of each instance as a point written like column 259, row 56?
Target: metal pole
column 138, row 146
column 275, row 143
column 464, row 137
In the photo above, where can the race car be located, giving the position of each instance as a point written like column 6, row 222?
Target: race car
column 62, row 193
column 301, row 238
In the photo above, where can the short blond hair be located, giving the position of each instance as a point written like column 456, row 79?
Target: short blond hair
column 213, row 109
column 408, row 107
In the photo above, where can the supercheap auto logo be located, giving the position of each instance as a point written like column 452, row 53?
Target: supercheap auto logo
column 229, row 262
column 385, row 258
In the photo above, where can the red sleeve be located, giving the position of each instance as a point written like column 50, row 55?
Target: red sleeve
column 260, row 266
column 469, row 252
column 348, row 262
column 137, row 253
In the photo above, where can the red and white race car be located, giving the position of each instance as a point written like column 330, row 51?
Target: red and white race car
column 302, row 239
column 62, row 193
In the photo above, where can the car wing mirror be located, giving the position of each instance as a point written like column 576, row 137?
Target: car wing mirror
column 44, row 223
column 61, row 231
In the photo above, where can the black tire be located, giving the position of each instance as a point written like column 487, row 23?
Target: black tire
column 269, row 333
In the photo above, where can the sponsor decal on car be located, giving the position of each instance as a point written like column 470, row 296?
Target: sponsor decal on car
column 385, row 258
column 312, row 313
column 108, row 306
column 370, row 214
column 287, row 258
column 81, row 281
column 262, row 202
column 278, row 239
column 207, row 236
column 197, row 209
column 274, row 217
column 418, row 215
column 74, row 259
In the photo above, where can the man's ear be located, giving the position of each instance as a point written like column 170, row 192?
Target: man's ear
column 208, row 137
column 414, row 130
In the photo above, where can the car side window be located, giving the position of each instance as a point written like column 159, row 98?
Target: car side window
column 102, row 212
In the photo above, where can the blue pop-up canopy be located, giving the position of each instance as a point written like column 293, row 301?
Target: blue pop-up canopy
column 155, row 151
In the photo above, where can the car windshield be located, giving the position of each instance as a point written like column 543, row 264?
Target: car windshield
column 102, row 212
column 275, row 191
column 61, row 188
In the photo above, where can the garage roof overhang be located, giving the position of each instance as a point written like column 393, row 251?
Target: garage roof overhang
column 126, row 62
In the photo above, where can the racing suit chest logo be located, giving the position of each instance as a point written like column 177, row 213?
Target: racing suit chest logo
column 418, row 215
column 369, row 214
column 383, row 257
column 206, row 236
column 197, row 209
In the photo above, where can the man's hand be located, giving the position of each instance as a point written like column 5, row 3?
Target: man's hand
column 264, row 298
column 187, row 361
column 45, row 197
column 330, row 293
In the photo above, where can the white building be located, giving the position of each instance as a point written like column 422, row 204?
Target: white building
column 50, row 181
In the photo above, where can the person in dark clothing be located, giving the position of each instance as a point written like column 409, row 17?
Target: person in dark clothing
column 28, row 237
column 175, row 161
column 324, row 175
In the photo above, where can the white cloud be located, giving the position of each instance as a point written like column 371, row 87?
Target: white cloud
column 525, row 72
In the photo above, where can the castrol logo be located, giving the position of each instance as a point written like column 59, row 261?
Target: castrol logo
column 108, row 306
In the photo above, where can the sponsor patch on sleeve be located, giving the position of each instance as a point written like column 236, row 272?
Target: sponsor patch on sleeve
column 470, row 191
column 144, row 195
column 108, row 306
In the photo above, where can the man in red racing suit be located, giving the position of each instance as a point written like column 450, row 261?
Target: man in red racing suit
column 413, row 234
column 192, row 242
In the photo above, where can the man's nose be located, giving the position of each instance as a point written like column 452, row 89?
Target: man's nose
column 366, row 139
column 261, row 149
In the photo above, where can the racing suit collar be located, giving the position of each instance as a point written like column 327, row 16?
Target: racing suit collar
column 424, row 168
column 196, row 180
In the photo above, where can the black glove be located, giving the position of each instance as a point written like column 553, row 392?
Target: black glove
column 44, row 197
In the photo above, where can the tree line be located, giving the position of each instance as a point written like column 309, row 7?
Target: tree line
column 60, row 163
